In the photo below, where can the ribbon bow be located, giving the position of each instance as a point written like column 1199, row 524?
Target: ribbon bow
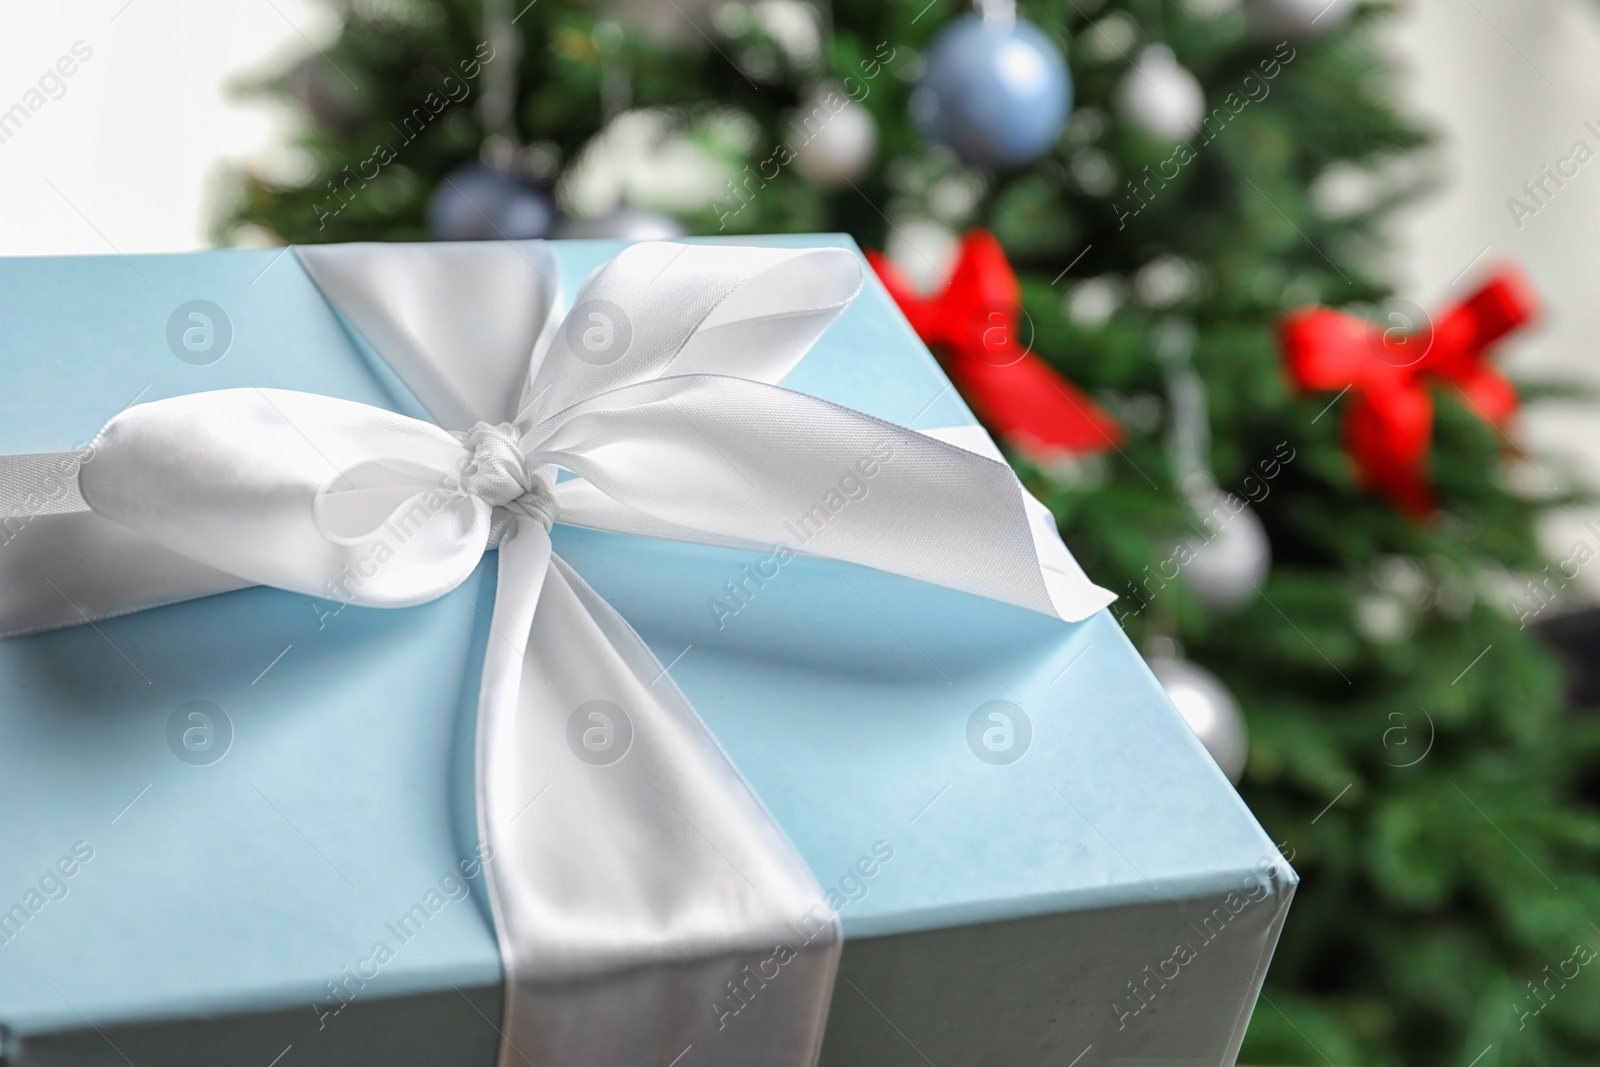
column 973, row 324
column 657, row 396
column 1388, row 427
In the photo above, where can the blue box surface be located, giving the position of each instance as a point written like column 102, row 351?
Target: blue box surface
column 1018, row 914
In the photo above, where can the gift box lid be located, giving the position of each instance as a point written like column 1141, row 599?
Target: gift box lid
column 860, row 705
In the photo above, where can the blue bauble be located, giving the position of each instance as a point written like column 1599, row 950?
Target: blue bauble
column 996, row 91
column 477, row 203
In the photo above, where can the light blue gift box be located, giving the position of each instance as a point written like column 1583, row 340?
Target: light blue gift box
column 1061, row 874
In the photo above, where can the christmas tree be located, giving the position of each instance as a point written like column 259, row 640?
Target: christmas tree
column 1221, row 167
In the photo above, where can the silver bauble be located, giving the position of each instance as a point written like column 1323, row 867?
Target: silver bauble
column 834, row 139
column 1161, row 98
column 1209, row 709
column 924, row 250
column 1229, row 563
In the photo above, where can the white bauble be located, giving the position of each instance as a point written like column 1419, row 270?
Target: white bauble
column 1298, row 18
column 924, row 250
column 650, row 157
column 1209, row 709
column 1160, row 97
column 833, row 144
column 627, row 224
column 1228, row 565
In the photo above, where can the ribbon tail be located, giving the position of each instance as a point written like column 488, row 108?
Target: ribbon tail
column 1033, row 407
column 645, row 899
column 1389, row 439
column 1491, row 396
column 62, row 564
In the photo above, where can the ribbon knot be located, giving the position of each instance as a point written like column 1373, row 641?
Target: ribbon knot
column 1388, row 427
column 499, row 475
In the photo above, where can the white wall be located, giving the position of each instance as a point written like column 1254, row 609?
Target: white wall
column 131, row 147
column 1510, row 84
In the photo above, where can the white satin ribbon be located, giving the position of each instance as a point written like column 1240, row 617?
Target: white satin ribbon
column 643, row 888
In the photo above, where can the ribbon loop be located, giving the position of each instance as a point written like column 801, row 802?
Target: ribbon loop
column 322, row 496
column 721, row 459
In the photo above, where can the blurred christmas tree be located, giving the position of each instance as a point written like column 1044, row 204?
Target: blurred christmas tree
column 1220, row 167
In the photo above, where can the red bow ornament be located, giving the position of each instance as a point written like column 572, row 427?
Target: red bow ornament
column 1388, row 427
column 973, row 326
